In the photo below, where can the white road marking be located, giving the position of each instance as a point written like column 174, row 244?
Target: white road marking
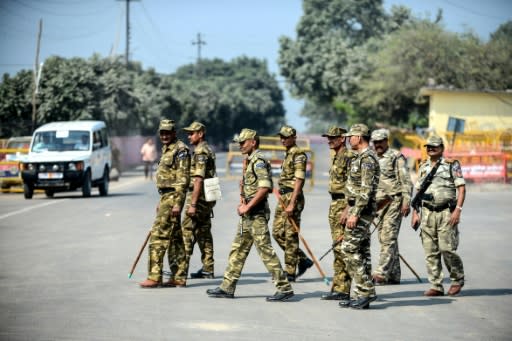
column 26, row 209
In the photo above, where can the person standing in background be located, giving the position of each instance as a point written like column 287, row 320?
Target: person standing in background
column 148, row 152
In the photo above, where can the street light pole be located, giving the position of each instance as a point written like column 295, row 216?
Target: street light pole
column 36, row 77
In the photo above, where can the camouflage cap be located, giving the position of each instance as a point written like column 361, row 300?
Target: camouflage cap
column 358, row 129
column 166, row 124
column 380, row 134
column 334, row 131
column 195, row 126
column 245, row 134
column 287, row 131
column 434, row 141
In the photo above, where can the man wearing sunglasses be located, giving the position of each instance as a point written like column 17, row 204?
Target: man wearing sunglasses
column 441, row 208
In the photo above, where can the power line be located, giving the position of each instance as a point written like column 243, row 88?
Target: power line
column 475, row 12
column 79, row 13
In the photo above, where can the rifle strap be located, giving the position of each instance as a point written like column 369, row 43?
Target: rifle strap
column 431, row 174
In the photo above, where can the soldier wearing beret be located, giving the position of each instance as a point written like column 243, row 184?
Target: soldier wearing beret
column 393, row 203
column 362, row 183
column 254, row 215
column 197, row 223
column 172, row 181
column 441, row 207
column 291, row 182
column 338, row 174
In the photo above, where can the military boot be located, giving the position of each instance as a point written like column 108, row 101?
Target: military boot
column 304, row 264
column 201, row 274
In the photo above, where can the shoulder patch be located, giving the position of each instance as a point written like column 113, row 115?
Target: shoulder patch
column 259, row 164
column 457, row 169
column 182, row 154
column 201, row 158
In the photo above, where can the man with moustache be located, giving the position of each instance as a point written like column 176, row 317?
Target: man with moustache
column 252, row 229
column 172, row 180
column 394, row 200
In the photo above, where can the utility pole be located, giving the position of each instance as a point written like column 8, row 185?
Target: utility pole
column 36, row 77
column 127, row 50
column 198, row 42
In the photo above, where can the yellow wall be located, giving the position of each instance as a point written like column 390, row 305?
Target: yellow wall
column 482, row 111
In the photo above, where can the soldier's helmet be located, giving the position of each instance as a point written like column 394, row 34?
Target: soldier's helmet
column 334, row 131
column 195, row 126
column 434, row 141
column 358, row 129
column 166, row 124
column 380, row 134
column 287, row 131
column 245, row 134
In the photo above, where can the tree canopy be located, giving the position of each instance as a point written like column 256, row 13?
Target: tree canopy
column 226, row 96
column 353, row 62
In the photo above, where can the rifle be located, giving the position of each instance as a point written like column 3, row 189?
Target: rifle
column 306, row 245
column 416, row 201
column 140, row 253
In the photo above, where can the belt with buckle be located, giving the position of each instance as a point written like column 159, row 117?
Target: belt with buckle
column 337, row 196
column 284, row 190
column 163, row 191
column 435, row 208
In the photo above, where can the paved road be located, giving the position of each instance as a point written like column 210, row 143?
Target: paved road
column 64, row 265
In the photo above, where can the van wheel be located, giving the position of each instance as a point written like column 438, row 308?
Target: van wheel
column 103, row 186
column 49, row 193
column 28, row 191
column 86, row 187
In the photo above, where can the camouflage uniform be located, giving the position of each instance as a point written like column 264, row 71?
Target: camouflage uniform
column 361, row 188
column 394, row 190
column 338, row 174
column 198, row 228
column 293, row 167
column 438, row 237
column 253, row 228
column 172, row 180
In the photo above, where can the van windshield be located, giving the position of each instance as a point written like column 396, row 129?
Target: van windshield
column 61, row 140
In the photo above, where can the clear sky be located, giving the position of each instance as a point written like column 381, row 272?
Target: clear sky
column 162, row 31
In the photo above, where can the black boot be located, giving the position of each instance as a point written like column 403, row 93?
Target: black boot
column 362, row 302
column 291, row 278
column 280, row 296
column 201, row 274
column 219, row 293
column 335, row 296
column 303, row 266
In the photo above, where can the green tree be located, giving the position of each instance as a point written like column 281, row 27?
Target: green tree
column 321, row 64
column 16, row 104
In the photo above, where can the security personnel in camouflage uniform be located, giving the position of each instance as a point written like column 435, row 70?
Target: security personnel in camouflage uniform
column 197, row 223
column 252, row 228
column 338, row 173
column 172, row 180
column 291, row 182
column 393, row 203
column 440, row 216
column 362, row 185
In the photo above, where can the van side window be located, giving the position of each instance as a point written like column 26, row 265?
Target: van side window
column 104, row 137
column 96, row 140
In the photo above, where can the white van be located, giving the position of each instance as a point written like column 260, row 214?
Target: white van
column 64, row 156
